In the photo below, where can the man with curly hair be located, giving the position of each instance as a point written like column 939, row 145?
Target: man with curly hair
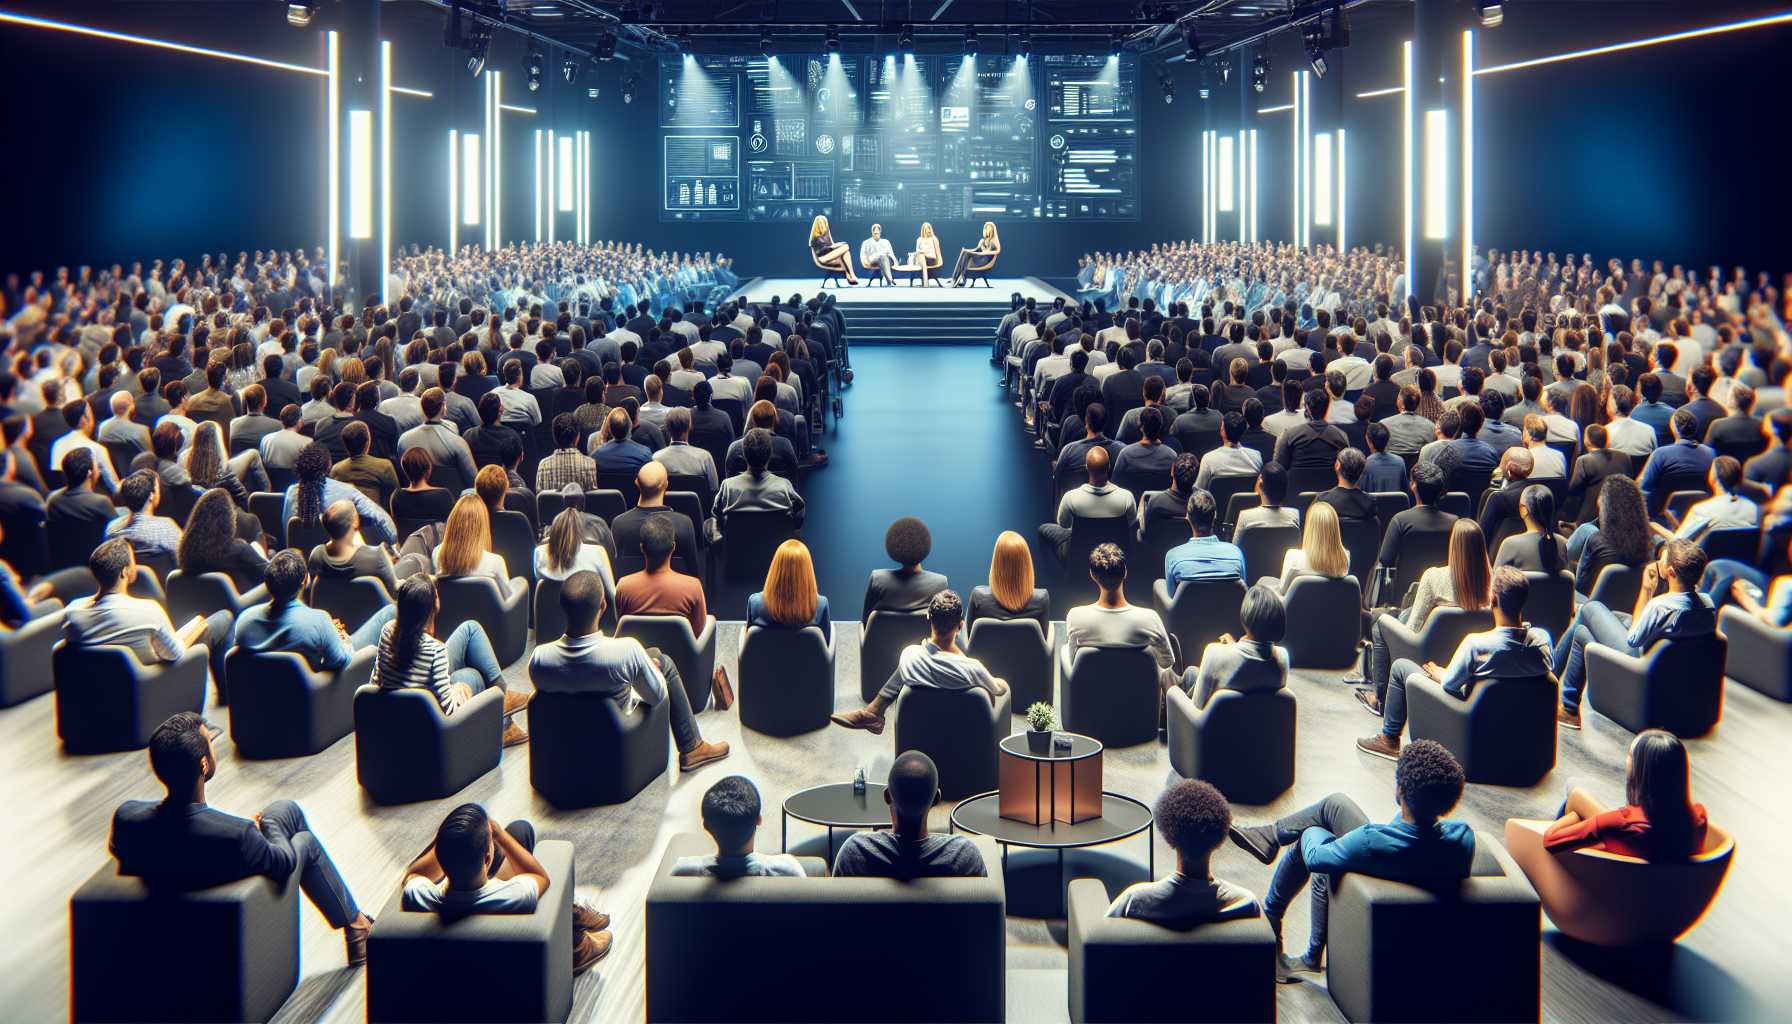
column 1334, row 837
column 1192, row 816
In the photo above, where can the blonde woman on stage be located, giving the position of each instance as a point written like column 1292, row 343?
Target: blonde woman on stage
column 829, row 254
column 979, row 258
column 927, row 253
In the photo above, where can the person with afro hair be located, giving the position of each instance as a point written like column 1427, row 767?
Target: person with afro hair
column 1192, row 816
column 1334, row 837
column 908, row 587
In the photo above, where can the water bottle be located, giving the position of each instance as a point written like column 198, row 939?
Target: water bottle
column 858, row 782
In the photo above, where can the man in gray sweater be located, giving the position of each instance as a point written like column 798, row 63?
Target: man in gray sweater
column 1097, row 499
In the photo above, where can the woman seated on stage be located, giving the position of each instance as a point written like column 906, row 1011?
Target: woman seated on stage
column 927, row 253
column 979, row 258
column 829, row 254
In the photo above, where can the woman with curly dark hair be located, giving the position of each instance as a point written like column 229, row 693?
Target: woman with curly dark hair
column 1619, row 536
column 210, row 543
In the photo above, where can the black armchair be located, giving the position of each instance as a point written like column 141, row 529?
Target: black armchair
column 885, row 634
column 1760, row 655
column 1326, row 619
column 959, row 729
column 107, row 700
column 1018, row 652
column 694, row 654
column 406, row 749
column 23, row 654
column 279, row 707
column 1110, row 693
column 1242, row 743
column 505, row 617
column 1677, row 685
column 786, row 680
column 585, row 749
column 1199, row 612
column 1503, row 734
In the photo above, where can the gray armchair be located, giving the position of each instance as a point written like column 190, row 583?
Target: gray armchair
column 1760, row 655
column 786, row 680
column 1199, row 611
column 406, row 749
column 353, row 600
column 1438, row 639
column 531, row 953
column 1017, row 651
column 191, row 594
column 585, row 749
column 1504, row 733
column 234, row 949
column 477, row 599
column 1123, row 970
column 884, row 636
column 1677, row 685
column 810, row 973
column 1551, row 602
column 1109, row 693
column 1242, row 743
column 107, row 700
column 1326, row 619
column 279, row 707
column 1464, row 950
column 959, row 729
column 23, row 654
column 694, row 654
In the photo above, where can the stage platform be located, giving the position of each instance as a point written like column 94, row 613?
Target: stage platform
column 997, row 294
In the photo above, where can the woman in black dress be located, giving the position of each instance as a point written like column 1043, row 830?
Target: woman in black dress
column 829, row 254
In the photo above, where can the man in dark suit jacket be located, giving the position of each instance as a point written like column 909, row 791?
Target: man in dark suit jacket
column 280, row 391
column 1123, row 389
column 184, row 844
column 1590, row 471
column 1740, row 429
column 491, row 441
column 1501, row 507
column 382, row 426
column 1698, row 399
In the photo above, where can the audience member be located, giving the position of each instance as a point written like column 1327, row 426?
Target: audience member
column 1010, row 593
column 411, row 656
column 1193, row 818
column 731, row 816
column 937, row 662
column 906, row 850
column 1659, row 820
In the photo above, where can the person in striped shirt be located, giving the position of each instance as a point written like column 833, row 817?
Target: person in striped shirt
column 454, row 669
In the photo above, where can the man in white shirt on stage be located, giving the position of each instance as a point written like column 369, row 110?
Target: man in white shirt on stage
column 876, row 254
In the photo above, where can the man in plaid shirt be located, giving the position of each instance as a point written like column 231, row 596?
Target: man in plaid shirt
column 567, row 465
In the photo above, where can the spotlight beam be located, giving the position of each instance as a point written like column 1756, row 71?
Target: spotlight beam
column 9, row 18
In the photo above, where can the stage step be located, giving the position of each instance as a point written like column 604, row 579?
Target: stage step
column 952, row 323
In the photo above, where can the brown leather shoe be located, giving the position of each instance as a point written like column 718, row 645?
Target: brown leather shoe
column 863, row 718
column 354, row 937
column 1380, row 746
column 592, row 947
column 700, row 755
column 721, row 691
column 1567, row 719
column 514, row 701
column 514, row 735
column 587, row 918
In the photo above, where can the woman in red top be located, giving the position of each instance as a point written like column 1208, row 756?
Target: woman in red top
column 1659, row 821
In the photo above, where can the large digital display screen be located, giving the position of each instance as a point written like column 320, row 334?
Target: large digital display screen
column 902, row 137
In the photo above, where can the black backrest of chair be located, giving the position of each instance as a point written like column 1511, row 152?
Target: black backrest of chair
column 1742, row 543
column 1389, row 504
column 513, row 538
column 1419, row 550
column 177, row 502
column 621, row 481
column 605, row 504
column 1362, row 538
column 72, row 541
column 1263, row 548
column 750, row 538
column 1616, row 586
column 1224, row 487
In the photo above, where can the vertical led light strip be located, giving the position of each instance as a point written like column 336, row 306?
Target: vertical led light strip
column 497, row 162
column 1406, row 149
column 1468, row 164
column 453, row 190
column 1343, row 193
column 1206, row 187
column 1437, row 174
column 553, row 178
column 1228, row 174
column 1251, row 183
column 1306, row 165
column 1321, row 183
column 1297, row 160
column 333, row 115
column 538, row 173
column 472, row 185
column 385, row 172
column 565, row 175
column 585, row 187
column 360, row 174
column 488, row 158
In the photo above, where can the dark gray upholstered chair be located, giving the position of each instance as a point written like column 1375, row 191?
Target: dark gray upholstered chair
column 786, row 684
column 1199, row 611
column 477, row 599
column 959, row 729
column 550, row 620
column 1123, row 971
column 1087, row 534
column 1242, row 743
column 1760, row 655
column 694, row 655
column 353, row 600
column 228, row 953
column 1386, row 961
column 1616, row 586
column 406, row 749
column 885, row 634
column 1551, row 603
column 279, row 707
column 267, row 506
column 1362, row 539
column 585, row 750
column 1740, row 543
column 513, row 538
column 1677, row 685
column 1438, row 639
column 1503, row 734
column 810, row 973
column 1018, row 652
column 531, row 953
column 1325, row 621
column 1419, row 550
column 1109, row 693
column 749, row 539
column 204, row 593
column 23, row 654
column 304, row 536
column 1264, row 547
column 107, row 700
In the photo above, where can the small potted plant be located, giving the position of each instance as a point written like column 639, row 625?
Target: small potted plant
column 1040, row 721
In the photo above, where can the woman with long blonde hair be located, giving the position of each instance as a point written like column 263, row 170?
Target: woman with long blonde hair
column 927, row 253
column 466, row 548
column 1010, row 593
column 1321, row 551
column 1466, row 582
column 790, row 599
column 980, row 257
column 829, row 254
column 565, row 550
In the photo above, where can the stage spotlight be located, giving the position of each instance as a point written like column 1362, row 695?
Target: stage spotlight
column 533, row 70
column 1492, row 13
column 1206, row 91
column 1191, row 43
column 905, row 41
column 478, row 47
column 970, row 40
column 1313, row 42
column 592, row 92
column 833, row 39
column 630, row 82
column 1116, row 43
column 765, row 41
column 1225, row 69
column 684, row 44
column 1169, row 87
column 299, row 15
column 569, row 70
column 1025, row 46
column 1259, row 72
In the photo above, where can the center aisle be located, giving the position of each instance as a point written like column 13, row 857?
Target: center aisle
column 928, row 432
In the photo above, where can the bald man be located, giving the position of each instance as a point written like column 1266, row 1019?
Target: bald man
column 1097, row 499
column 121, row 428
column 1502, row 505
column 650, row 481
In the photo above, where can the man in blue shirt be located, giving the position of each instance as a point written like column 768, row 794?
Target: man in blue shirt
column 286, row 623
column 1334, row 837
column 1204, row 556
column 1680, row 612
column 1473, row 456
column 1683, row 461
column 1382, row 473
column 1510, row 650
column 620, row 453
column 313, row 470
column 1652, row 411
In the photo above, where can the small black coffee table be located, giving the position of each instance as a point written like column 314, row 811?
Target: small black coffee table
column 834, row 806
column 1121, row 818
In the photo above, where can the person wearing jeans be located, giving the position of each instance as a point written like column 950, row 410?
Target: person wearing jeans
column 1335, row 837
column 455, row 670
column 286, row 623
column 185, row 843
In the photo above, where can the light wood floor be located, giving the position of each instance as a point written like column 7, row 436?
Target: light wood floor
column 1731, row 968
